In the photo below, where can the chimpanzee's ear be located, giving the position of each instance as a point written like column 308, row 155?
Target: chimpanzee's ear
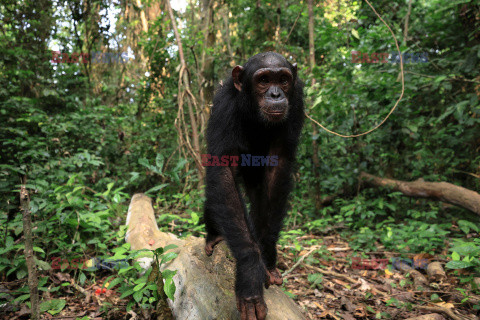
column 237, row 74
column 294, row 71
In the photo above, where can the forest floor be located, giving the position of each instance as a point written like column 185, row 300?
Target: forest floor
column 370, row 289
column 327, row 286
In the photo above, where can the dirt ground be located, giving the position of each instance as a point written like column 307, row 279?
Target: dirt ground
column 369, row 288
column 328, row 285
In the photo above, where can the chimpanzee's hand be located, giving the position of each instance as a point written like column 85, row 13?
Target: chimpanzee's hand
column 251, row 277
column 252, row 308
column 273, row 277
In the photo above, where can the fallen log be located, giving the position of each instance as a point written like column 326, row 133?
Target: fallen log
column 442, row 191
column 204, row 285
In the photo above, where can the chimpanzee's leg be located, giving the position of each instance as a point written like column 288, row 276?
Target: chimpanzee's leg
column 226, row 215
column 213, row 235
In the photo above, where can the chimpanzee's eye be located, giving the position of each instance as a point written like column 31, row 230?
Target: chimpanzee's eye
column 284, row 81
column 264, row 79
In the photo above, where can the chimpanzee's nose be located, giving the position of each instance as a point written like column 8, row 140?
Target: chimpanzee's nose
column 275, row 93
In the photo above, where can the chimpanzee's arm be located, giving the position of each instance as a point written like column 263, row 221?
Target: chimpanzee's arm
column 225, row 210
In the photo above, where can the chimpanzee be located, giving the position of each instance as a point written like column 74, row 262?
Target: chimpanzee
column 257, row 113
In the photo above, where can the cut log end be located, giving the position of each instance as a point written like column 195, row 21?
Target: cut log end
column 435, row 271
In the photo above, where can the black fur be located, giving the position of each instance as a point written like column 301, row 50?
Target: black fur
column 236, row 127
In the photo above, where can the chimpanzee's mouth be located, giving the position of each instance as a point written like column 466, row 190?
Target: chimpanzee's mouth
column 274, row 116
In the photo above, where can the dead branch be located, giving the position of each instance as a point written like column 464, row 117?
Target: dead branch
column 442, row 191
column 431, row 316
column 443, row 310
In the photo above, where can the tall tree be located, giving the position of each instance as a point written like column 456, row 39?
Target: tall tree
column 311, row 47
column 189, row 134
column 208, row 70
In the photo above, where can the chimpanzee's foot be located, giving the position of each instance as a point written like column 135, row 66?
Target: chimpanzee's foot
column 252, row 308
column 273, row 277
column 211, row 243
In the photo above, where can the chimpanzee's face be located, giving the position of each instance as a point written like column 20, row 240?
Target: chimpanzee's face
column 272, row 80
column 271, row 88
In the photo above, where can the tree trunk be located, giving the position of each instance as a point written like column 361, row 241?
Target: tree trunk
column 143, row 18
column 208, row 69
column 226, row 32
column 29, row 256
column 185, row 133
column 442, row 191
column 204, row 285
column 316, row 162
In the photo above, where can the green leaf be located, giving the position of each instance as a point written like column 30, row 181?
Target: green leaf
column 168, row 274
column 156, row 188
column 139, row 286
column 123, row 270
column 114, row 282
column 195, row 218
column 466, row 250
column 159, row 161
column 53, row 306
column 119, row 250
column 355, row 34
column 82, row 278
column 466, row 226
column 168, row 256
column 106, row 281
column 317, row 101
column 22, row 298
column 138, row 296
column 370, row 309
column 289, row 294
column 455, row 256
column 127, row 293
column 315, row 278
column 37, row 249
column 458, row 264
column 109, row 188
column 43, row 264
column 170, row 246
column 435, row 297
column 169, row 288
column 21, row 273
column 151, row 287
